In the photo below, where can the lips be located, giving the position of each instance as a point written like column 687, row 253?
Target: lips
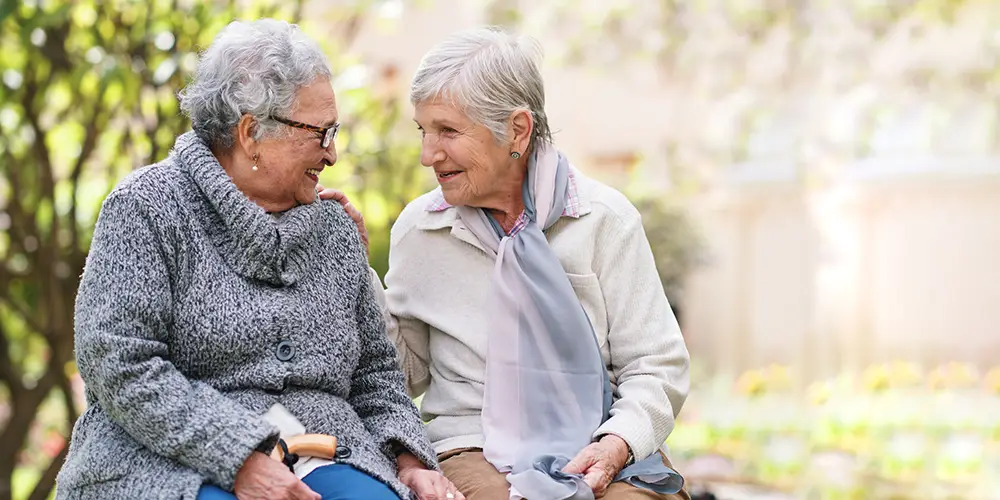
column 443, row 177
column 313, row 174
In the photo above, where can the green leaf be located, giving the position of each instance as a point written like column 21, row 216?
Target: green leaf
column 6, row 8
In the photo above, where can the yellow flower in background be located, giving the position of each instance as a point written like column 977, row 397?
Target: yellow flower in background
column 877, row 378
column 751, row 383
column 779, row 377
column 992, row 380
column 819, row 392
column 937, row 380
column 856, row 443
column 905, row 374
column 964, row 374
column 757, row 382
column 894, row 375
column 953, row 376
column 733, row 448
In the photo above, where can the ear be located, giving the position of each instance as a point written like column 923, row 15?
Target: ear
column 245, row 129
column 523, row 124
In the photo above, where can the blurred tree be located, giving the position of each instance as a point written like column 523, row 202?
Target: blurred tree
column 677, row 245
column 88, row 94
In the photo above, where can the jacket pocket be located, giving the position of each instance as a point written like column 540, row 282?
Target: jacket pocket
column 101, row 452
column 588, row 289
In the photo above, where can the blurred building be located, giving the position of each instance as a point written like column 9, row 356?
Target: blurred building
column 843, row 161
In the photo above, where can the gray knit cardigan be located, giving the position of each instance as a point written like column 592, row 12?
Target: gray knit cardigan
column 197, row 312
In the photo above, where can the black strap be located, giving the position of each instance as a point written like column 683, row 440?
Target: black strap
column 287, row 458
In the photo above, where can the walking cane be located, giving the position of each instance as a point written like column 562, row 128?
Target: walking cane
column 289, row 450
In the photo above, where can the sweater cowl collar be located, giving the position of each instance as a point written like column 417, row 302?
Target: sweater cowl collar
column 246, row 236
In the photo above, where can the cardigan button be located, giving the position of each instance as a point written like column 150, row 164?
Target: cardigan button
column 342, row 453
column 285, row 350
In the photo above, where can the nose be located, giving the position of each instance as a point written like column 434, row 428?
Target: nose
column 330, row 154
column 430, row 151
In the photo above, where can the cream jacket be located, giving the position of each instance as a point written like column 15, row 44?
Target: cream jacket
column 435, row 302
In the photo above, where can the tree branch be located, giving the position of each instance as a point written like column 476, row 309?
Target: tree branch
column 8, row 372
column 38, row 145
column 350, row 30
column 67, row 390
column 24, row 408
column 44, row 166
column 89, row 145
column 22, row 224
column 22, row 313
column 48, row 480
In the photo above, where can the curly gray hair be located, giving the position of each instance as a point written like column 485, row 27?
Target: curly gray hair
column 253, row 68
column 490, row 74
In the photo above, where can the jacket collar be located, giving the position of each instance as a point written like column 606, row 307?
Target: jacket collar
column 439, row 214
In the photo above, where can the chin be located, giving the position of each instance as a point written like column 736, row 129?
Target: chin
column 307, row 198
column 455, row 200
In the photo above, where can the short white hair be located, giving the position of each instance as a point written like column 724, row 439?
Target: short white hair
column 254, row 68
column 490, row 74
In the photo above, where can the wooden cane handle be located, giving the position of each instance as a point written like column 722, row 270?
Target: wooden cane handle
column 308, row 445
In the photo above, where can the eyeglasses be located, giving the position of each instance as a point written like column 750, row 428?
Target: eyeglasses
column 328, row 134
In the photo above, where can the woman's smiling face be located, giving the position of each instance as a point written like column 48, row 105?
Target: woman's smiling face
column 469, row 164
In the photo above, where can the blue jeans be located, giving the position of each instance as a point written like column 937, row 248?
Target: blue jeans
column 333, row 482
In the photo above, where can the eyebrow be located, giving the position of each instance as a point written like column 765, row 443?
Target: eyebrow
column 439, row 123
column 330, row 123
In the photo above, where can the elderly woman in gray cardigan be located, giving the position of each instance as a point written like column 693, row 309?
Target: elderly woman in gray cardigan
column 523, row 298
column 219, row 293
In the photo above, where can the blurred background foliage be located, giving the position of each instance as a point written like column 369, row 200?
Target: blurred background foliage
column 89, row 93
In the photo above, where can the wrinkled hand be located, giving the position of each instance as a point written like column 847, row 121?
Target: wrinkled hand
column 427, row 484
column 262, row 477
column 340, row 197
column 600, row 462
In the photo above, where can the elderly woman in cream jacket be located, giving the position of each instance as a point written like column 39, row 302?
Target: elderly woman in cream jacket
column 517, row 270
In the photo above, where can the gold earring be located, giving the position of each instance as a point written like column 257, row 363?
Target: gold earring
column 256, row 157
column 515, row 155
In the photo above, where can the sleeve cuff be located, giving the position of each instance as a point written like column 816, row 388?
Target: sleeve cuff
column 395, row 445
column 637, row 435
column 222, row 456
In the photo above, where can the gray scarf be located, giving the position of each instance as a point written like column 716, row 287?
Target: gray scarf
column 547, row 389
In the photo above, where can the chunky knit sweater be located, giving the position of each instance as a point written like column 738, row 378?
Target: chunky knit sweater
column 197, row 312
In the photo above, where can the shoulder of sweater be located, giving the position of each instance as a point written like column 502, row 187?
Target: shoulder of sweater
column 145, row 197
column 334, row 211
column 150, row 186
column 342, row 228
